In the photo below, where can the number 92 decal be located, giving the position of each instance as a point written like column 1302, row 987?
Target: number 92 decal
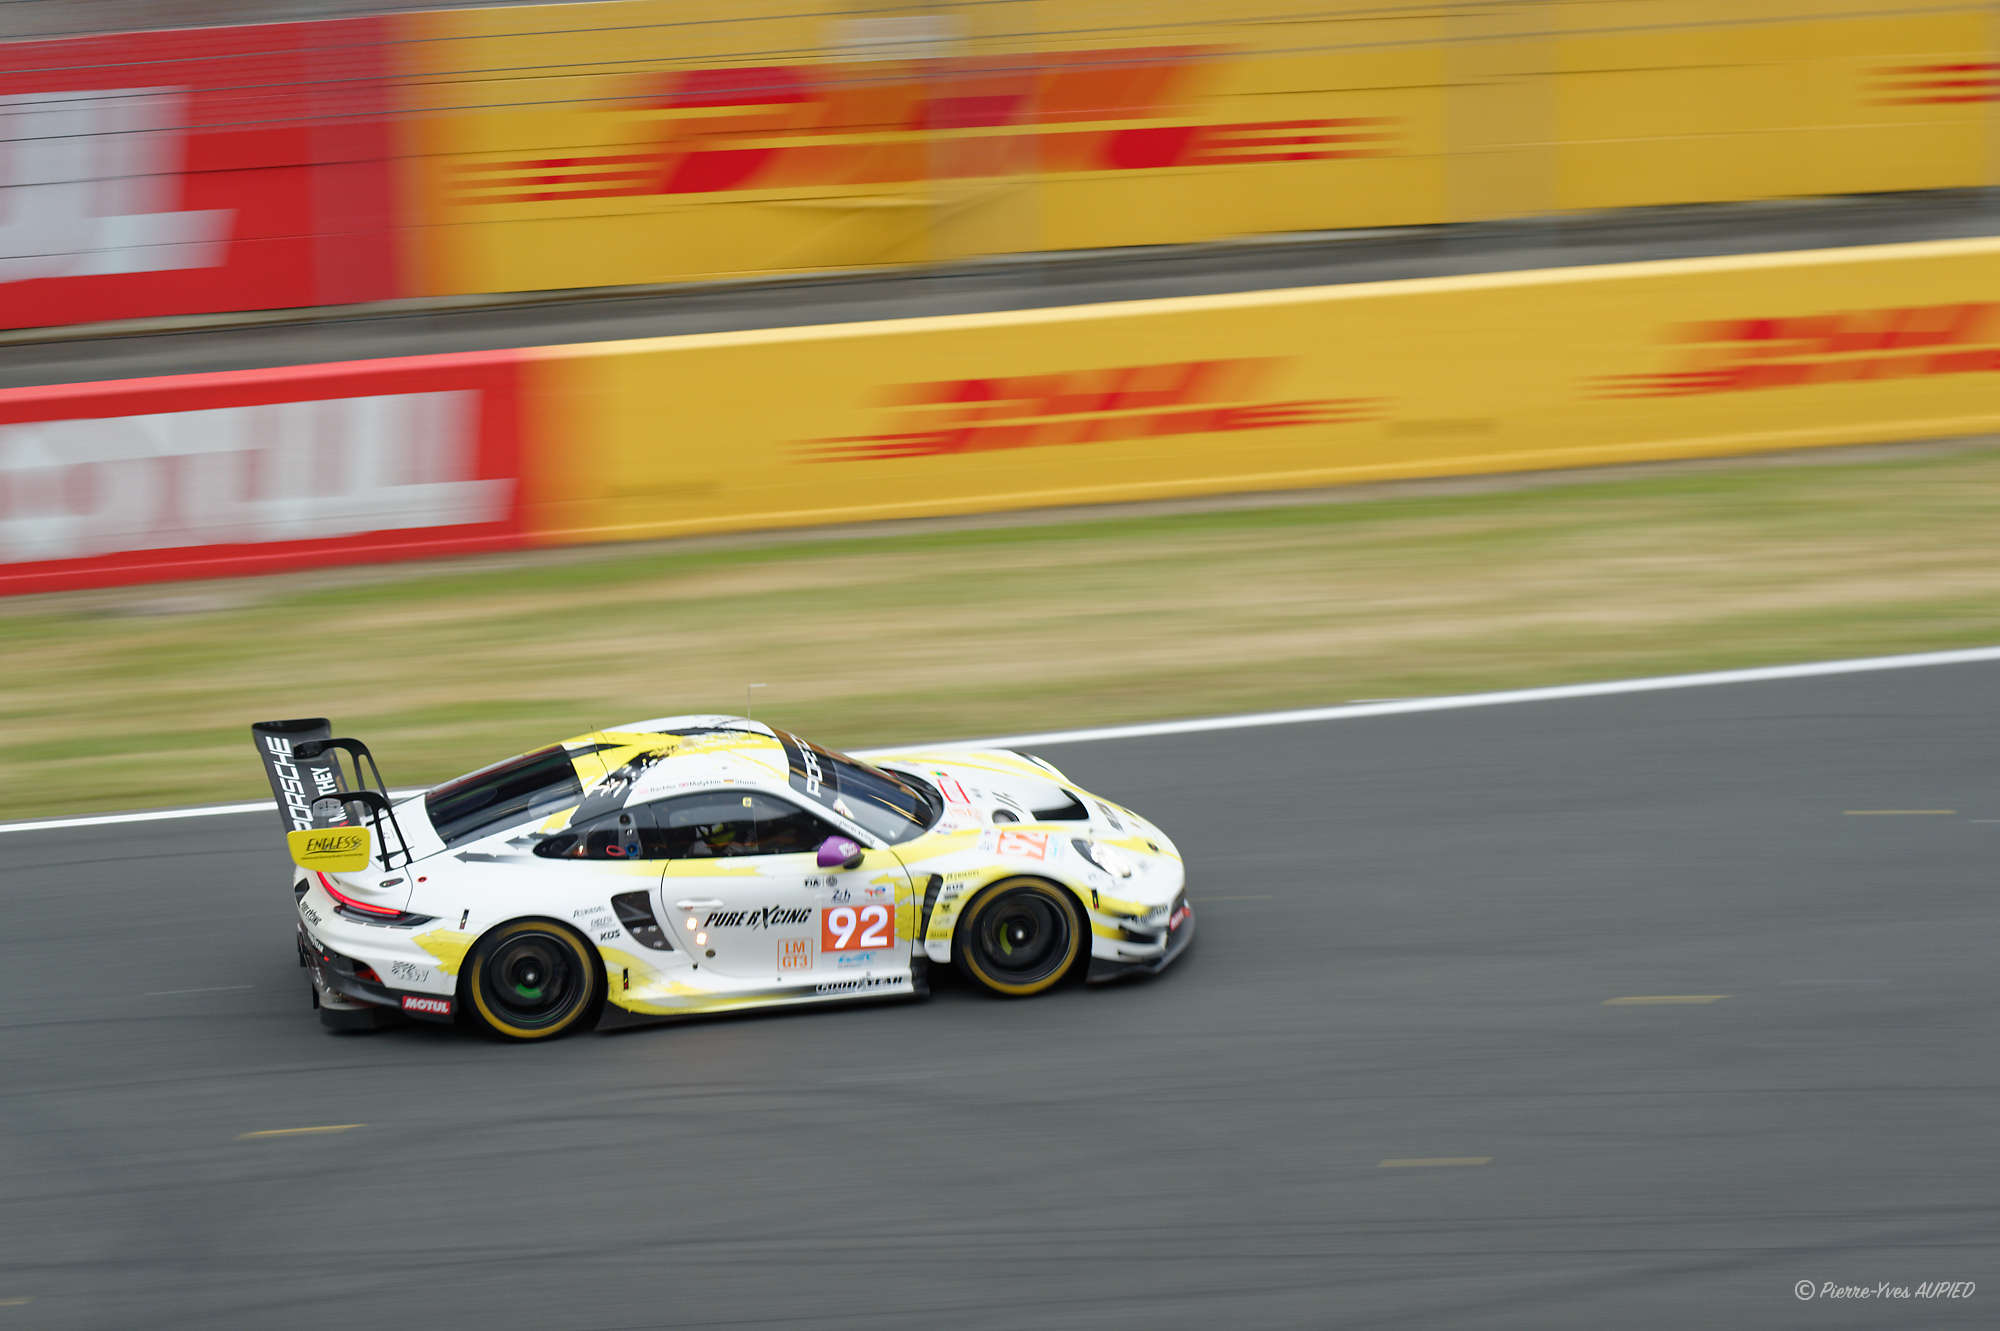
column 857, row 928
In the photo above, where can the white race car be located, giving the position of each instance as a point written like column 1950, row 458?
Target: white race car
column 698, row 864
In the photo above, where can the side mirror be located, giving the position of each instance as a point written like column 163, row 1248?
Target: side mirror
column 839, row 852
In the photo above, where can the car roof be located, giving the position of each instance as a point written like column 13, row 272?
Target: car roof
column 645, row 760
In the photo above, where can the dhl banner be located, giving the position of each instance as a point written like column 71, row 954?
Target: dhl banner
column 215, row 474
column 1268, row 390
column 629, row 143
column 812, row 136
column 538, row 147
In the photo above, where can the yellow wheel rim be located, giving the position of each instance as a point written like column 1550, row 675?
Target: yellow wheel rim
column 1015, row 917
column 530, row 956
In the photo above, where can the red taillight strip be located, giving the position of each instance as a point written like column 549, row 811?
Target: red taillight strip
column 346, row 900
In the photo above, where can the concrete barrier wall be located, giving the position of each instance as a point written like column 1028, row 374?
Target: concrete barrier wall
column 627, row 144
column 1206, row 395
column 1267, row 390
column 638, row 141
column 198, row 170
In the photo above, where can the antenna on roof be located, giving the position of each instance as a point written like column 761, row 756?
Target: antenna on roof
column 597, row 752
column 746, row 697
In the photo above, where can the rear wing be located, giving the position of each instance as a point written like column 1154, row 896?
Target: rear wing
column 302, row 759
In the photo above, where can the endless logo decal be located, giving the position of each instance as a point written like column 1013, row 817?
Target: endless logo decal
column 332, row 845
column 1740, row 355
column 1085, row 407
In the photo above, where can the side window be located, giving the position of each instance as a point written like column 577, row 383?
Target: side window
column 783, row 828
column 610, row 836
column 732, row 822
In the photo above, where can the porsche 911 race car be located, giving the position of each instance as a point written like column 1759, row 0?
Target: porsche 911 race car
column 699, row 864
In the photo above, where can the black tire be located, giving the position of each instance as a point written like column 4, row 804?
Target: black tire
column 1019, row 937
column 532, row 980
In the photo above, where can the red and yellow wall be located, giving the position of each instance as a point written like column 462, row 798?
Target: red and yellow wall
column 224, row 473
column 630, row 145
column 641, row 141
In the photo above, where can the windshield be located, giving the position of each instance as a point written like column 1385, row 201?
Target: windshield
column 533, row 785
column 892, row 807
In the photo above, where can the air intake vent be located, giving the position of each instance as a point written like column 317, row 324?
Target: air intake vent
column 636, row 914
column 1071, row 812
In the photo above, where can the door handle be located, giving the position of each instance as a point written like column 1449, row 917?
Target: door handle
column 705, row 903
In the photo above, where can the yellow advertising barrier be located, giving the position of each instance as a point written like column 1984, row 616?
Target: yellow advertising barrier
column 637, row 141
column 1698, row 100
column 1268, row 390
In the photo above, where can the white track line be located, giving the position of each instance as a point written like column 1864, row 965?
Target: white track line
column 159, row 815
column 1302, row 716
column 1400, row 707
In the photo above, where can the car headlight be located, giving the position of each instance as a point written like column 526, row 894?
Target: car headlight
column 1104, row 857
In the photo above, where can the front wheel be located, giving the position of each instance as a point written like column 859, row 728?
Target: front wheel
column 532, row 980
column 1019, row 937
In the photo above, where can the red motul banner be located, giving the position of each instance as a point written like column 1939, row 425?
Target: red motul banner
column 256, row 471
column 198, row 170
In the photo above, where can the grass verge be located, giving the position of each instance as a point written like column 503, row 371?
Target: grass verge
column 109, row 704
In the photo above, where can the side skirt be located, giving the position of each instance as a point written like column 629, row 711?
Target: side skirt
column 616, row 1017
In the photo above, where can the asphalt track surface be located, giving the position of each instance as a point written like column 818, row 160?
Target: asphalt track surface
column 1409, row 928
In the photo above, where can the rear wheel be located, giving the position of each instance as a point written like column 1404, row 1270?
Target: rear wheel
column 1019, row 937
column 532, row 980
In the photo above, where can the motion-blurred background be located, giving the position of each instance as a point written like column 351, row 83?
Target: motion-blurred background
column 323, row 293
column 489, row 374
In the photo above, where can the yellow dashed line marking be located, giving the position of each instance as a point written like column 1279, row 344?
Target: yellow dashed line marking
column 14, row 1303
column 294, row 1132
column 1900, row 813
column 1435, row 1161
column 1646, row 1000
